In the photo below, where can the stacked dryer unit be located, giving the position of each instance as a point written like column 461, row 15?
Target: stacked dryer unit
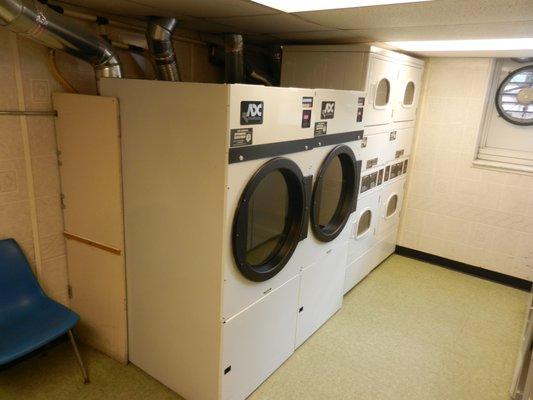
column 392, row 82
column 225, row 276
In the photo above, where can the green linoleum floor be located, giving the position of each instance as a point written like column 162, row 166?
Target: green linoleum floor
column 408, row 331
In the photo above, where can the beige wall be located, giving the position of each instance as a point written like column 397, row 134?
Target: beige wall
column 30, row 208
column 472, row 215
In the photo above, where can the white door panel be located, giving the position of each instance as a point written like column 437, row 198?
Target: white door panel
column 320, row 292
column 381, row 85
column 407, row 93
column 258, row 340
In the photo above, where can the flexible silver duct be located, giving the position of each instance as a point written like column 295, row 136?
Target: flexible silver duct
column 523, row 59
column 159, row 38
column 37, row 22
column 234, row 58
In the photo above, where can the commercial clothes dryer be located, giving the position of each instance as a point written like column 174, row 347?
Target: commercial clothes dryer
column 338, row 128
column 391, row 80
column 391, row 201
column 217, row 189
column 375, row 147
column 376, row 223
column 363, row 224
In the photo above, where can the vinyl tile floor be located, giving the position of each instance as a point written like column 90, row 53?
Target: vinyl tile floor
column 409, row 331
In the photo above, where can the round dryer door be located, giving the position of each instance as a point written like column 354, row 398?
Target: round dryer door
column 334, row 193
column 269, row 219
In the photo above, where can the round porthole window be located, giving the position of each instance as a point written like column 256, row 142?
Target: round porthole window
column 364, row 223
column 409, row 94
column 514, row 98
column 334, row 193
column 269, row 219
column 382, row 93
column 392, row 205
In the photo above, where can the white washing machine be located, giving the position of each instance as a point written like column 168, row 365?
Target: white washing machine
column 217, row 190
column 336, row 170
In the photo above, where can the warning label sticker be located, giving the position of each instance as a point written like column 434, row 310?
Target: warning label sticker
column 241, row 137
column 321, row 128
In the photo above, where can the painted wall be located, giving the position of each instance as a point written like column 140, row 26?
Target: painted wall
column 30, row 206
column 476, row 216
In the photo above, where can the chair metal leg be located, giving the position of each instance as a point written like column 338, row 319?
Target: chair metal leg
column 78, row 357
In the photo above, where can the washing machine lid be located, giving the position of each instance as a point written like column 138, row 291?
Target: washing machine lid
column 335, row 193
column 271, row 219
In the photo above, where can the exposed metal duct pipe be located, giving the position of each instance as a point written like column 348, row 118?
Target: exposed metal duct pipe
column 37, row 22
column 234, row 58
column 159, row 38
column 523, row 59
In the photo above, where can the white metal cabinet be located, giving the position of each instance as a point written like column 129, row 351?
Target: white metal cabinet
column 320, row 292
column 407, row 92
column 253, row 346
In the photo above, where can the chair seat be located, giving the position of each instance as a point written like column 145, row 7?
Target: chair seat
column 39, row 323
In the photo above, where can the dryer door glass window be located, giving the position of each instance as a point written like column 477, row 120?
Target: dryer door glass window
column 409, row 94
column 364, row 222
column 269, row 219
column 392, row 205
column 382, row 93
column 330, row 193
column 334, row 193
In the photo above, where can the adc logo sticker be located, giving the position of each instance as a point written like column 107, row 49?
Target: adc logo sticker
column 252, row 112
column 328, row 110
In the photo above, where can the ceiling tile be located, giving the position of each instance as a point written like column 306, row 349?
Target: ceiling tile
column 320, row 37
column 203, row 25
column 437, row 12
column 117, row 7
column 269, row 24
column 195, row 8
column 209, row 8
column 448, row 32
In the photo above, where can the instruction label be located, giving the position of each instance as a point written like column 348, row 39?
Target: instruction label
column 321, row 128
column 241, row 137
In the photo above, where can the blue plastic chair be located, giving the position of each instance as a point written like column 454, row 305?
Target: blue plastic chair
column 28, row 318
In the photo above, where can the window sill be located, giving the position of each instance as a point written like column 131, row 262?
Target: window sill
column 503, row 167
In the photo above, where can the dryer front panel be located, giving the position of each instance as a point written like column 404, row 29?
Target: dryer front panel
column 390, row 205
column 259, row 260
column 374, row 149
column 400, row 143
column 269, row 219
column 363, row 224
column 381, row 83
column 408, row 93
